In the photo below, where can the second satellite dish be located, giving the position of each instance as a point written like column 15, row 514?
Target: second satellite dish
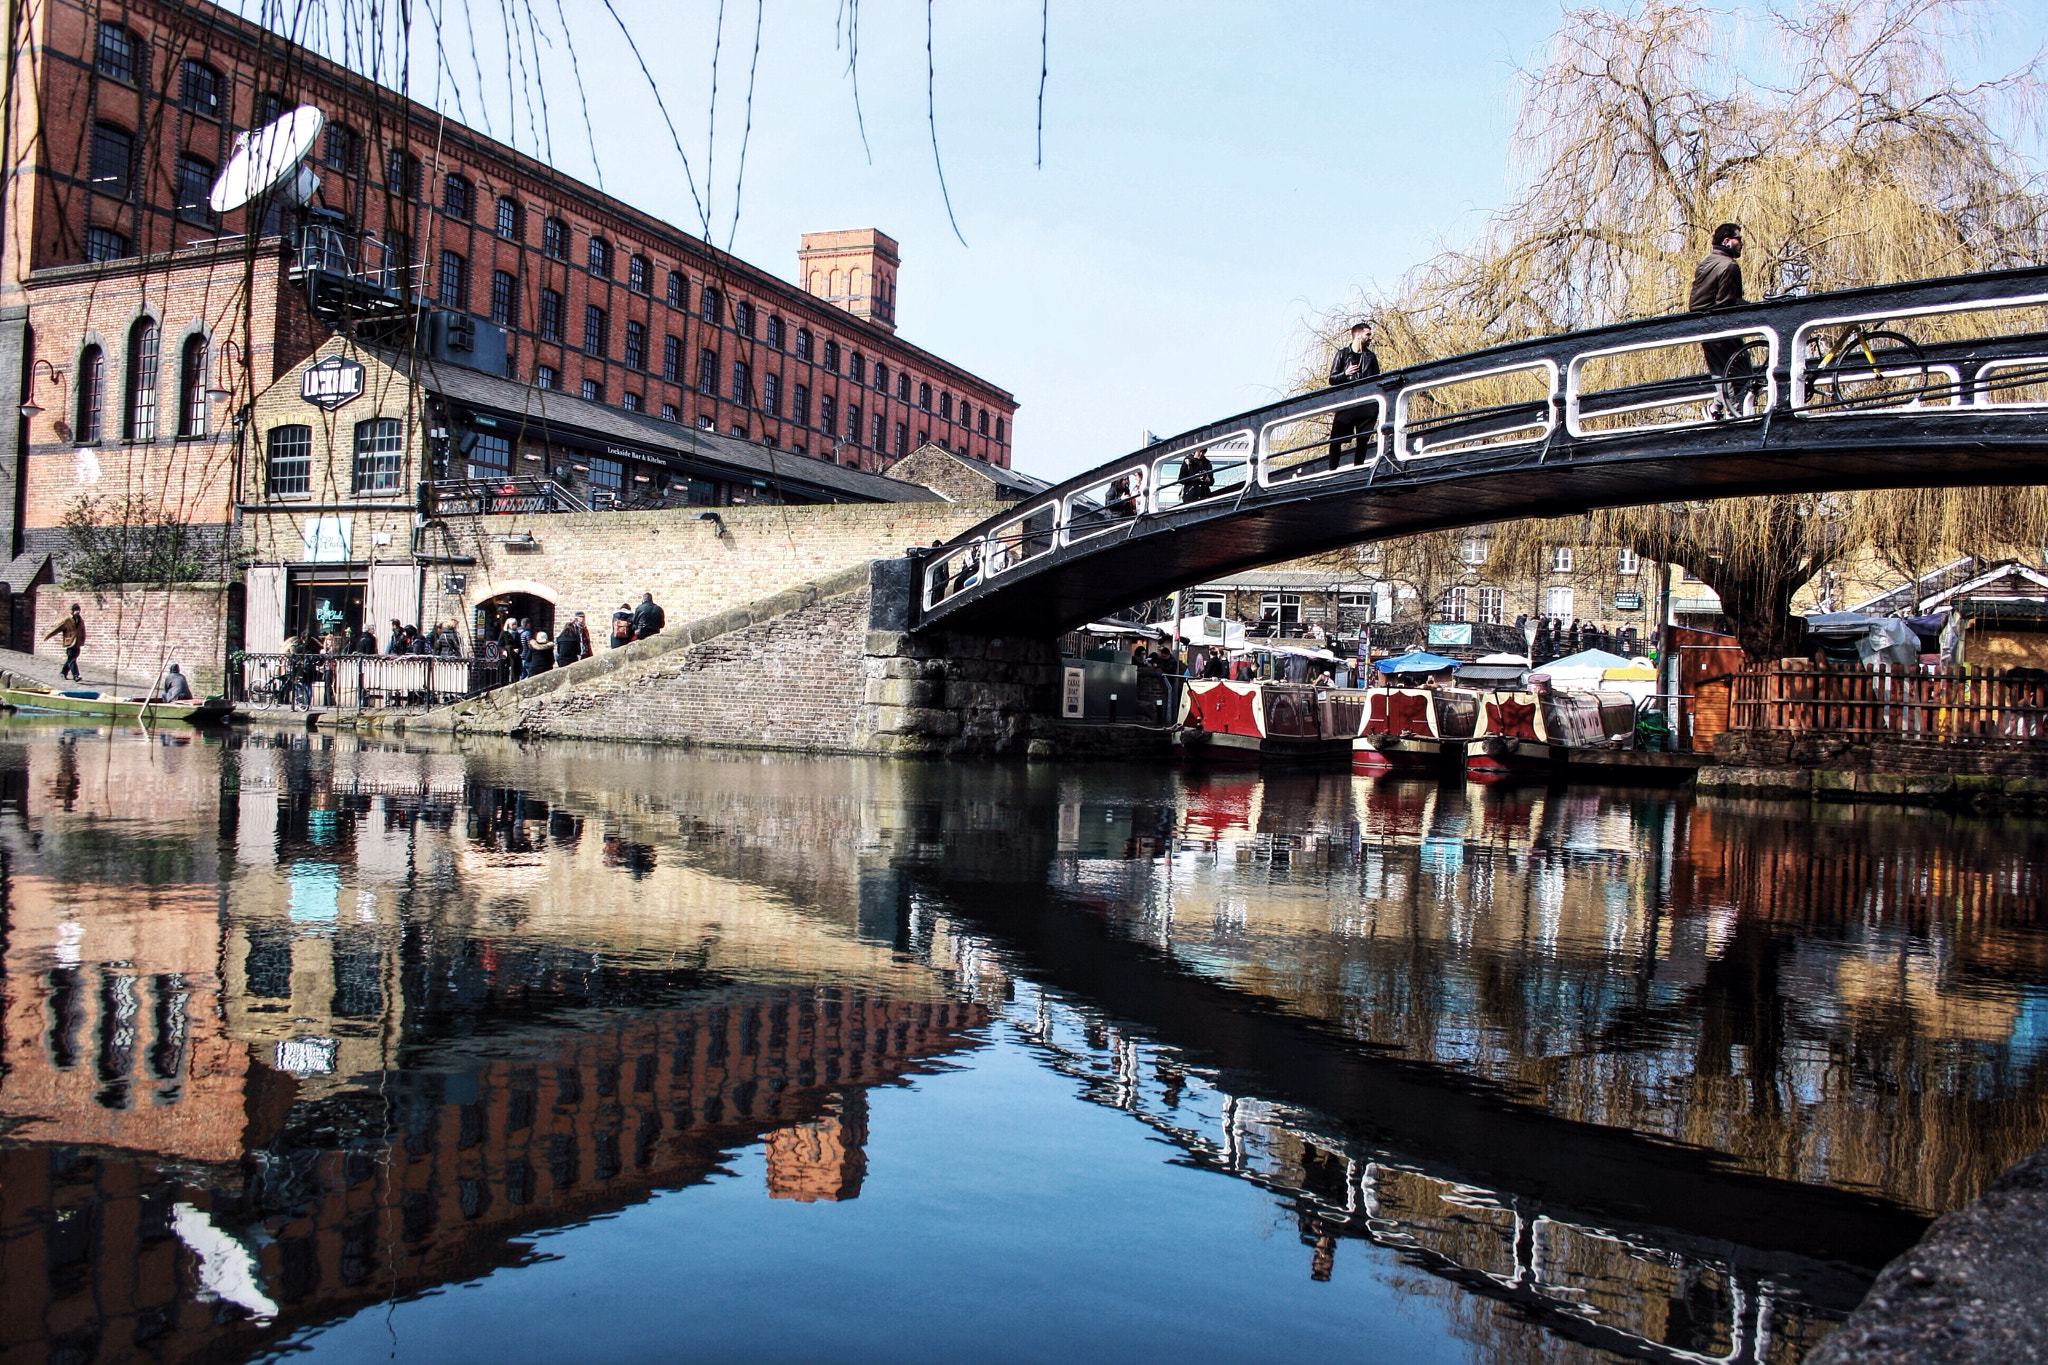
column 272, row 157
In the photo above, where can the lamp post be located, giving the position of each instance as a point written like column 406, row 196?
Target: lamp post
column 220, row 393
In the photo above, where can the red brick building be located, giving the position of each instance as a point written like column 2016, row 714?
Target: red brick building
column 141, row 326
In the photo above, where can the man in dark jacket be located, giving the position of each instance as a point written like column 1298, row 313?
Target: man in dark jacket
column 1351, row 365
column 568, row 645
column 648, row 619
column 1717, row 283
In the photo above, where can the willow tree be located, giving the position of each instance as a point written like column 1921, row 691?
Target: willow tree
column 1840, row 134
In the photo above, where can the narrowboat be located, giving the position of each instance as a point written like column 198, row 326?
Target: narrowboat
column 1414, row 727
column 84, row 702
column 1266, row 722
column 1533, row 732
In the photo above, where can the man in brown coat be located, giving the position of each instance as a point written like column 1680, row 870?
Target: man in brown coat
column 69, row 632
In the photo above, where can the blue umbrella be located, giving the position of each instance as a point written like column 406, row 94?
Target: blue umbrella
column 1415, row 661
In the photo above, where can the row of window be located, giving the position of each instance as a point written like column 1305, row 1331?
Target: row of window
column 1472, row 551
column 139, row 393
column 378, row 466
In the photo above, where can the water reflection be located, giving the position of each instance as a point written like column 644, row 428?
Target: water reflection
column 297, row 1025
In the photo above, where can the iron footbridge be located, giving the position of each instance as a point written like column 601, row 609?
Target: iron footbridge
column 1940, row 382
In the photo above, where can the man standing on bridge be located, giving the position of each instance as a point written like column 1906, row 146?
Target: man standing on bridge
column 1351, row 365
column 1717, row 283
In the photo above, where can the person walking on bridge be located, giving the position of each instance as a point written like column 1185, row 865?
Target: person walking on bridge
column 1717, row 283
column 1352, row 364
column 648, row 618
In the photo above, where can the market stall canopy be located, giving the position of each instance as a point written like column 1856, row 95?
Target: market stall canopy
column 1124, row 628
column 1491, row 675
column 1519, row 660
column 1415, row 661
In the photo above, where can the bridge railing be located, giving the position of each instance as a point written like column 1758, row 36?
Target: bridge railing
column 1974, row 346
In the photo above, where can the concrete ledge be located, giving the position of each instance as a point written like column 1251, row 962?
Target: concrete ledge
column 507, row 698
column 1971, row 1289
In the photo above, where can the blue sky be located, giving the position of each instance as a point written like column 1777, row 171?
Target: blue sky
column 1214, row 173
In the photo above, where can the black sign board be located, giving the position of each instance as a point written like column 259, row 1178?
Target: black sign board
column 331, row 382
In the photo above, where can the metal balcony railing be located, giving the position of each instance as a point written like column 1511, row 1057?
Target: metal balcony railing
column 497, row 497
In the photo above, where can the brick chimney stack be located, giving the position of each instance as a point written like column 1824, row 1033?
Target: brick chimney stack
column 854, row 270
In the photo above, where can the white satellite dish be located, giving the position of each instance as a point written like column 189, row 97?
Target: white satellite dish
column 272, row 157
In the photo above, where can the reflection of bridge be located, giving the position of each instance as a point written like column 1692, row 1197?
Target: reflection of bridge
column 1609, row 417
column 1660, row 1296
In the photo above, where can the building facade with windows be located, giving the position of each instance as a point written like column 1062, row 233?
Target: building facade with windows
column 141, row 327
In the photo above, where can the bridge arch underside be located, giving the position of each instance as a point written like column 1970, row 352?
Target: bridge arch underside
column 1942, row 383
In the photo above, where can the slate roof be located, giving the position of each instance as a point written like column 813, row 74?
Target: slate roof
column 570, row 418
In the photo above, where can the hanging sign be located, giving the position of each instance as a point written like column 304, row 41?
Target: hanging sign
column 1628, row 601
column 1446, row 633
column 331, row 382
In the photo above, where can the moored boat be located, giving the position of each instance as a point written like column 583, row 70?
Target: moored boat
column 1265, row 722
column 1414, row 727
column 82, row 702
column 1534, row 732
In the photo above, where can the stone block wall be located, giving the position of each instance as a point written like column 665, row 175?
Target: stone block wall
column 790, row 682
column 132, row 632
column 957, row 695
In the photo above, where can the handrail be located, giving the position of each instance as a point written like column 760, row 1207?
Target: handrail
column 1513, row 431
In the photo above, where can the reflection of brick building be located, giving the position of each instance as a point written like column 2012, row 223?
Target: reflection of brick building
column 824, row 1158
column 435, row 1187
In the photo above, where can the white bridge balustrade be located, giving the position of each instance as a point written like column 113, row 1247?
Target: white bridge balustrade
column 1932, row 382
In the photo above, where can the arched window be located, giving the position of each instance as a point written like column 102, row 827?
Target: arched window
column 707, row 299
column 678, row 290
column 924, row 397
column 344, row 149
column 600, row 256
column 981, row 422
column 111, row 161
column 142, row 379
column 775, row 332
column 199, row 88
column 192, row 385
column 554, row 239
column 638, row 273
column 903, row 387
column 881, row 377
column 803, row 343
column 458, row 196
column 118, row 53
column 857, row 368
column 92, row 393
column 832, row 356
column 508, row 218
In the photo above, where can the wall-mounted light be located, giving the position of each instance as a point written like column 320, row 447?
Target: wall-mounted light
column 219, row 392
column 717, row 523
column 531, row 456
column 639, row 478
column 30, row 407
column 580, row 468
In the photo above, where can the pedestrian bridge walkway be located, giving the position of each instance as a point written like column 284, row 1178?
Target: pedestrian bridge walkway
column 1937, row 382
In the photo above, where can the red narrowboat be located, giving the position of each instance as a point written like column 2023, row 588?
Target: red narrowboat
column 1414, row 727
column 1265, row 722
column 1531, row 732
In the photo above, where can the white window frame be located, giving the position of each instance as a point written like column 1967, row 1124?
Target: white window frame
column 1560, row 559
column 1627, row 562
column 1490, row 605
column 1560, row 602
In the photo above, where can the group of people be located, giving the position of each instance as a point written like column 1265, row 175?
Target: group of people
column 1555, row 639
column 528, row 650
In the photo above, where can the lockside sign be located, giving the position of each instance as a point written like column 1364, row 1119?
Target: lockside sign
column 331, row 382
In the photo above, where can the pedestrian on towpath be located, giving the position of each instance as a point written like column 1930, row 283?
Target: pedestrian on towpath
column 648, row 619
column 70, row 633
column 622, row 626
column 1353, row 364
column 583, row 634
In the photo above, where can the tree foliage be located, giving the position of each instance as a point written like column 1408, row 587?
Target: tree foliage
column 1842, row 136
column 113, row 541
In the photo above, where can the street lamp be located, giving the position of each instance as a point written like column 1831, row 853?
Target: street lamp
column 219, row 392
column 30, row 407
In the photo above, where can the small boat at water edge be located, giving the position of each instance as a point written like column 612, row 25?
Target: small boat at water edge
column 1414, row 728
column 1533, row 733
column 1266, row 722
column 211, row 711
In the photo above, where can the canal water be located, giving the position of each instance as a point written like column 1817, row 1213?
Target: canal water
column 354, row 1051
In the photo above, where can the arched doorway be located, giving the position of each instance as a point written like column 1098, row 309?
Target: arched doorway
column 494, row 612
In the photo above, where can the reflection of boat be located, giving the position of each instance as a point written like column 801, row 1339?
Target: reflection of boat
column 1533, row 732
column 212, row 711
column 1414, row 727
column 1266, row 722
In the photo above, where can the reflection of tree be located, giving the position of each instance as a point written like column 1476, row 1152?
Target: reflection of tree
column 1829, row 1000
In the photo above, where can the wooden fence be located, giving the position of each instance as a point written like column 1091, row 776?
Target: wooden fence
column 1943, row 705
